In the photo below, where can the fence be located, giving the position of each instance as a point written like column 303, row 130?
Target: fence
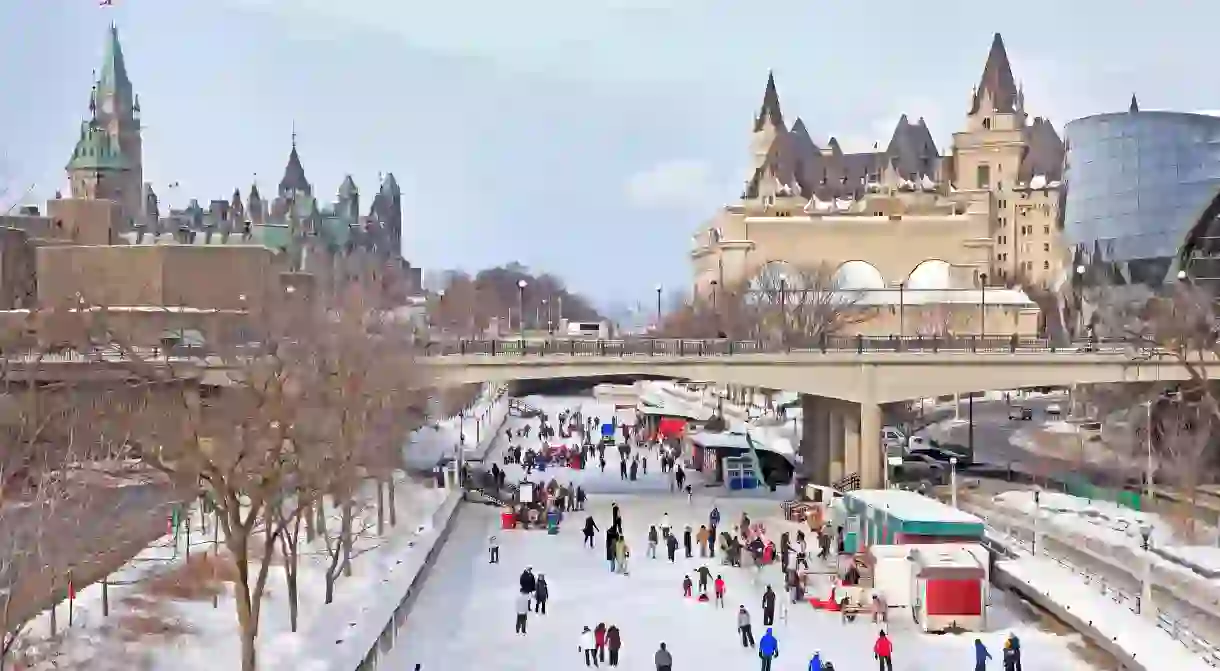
column 1022, row 540
column 1005, row 344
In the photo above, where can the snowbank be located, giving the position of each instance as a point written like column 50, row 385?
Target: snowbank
column 478, row 424
column 1123, row 632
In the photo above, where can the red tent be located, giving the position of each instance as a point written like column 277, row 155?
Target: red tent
column 671, row 426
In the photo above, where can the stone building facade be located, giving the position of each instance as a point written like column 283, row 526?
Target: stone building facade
column 907, row 224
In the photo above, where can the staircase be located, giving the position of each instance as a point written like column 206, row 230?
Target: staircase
column 519, row 408
column 478, row 495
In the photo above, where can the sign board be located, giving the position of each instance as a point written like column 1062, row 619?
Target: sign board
column 526, row 492
column 608, row 430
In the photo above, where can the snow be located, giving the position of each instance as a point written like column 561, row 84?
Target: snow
column 1147, row 644
column 912, row 506
column 441, row 439
column 464, row 615
column 330, row 637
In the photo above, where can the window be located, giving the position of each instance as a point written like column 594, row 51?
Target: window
column 1046, row 246
column 1046, row 230
column 1003, row 204
column 1046, row 265
column 987, row 124
column 983, row 176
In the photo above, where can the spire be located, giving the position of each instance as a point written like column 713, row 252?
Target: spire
column 113, row 80
column 389, row 185
column 1135, row 104
column 997, row 81
column 294, row 174
column 770, row 111
column 348, row 187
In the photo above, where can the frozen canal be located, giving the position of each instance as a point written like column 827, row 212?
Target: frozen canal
column 463, row 619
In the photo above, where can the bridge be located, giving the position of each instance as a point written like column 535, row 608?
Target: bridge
column 855, row 369
column 844, row 382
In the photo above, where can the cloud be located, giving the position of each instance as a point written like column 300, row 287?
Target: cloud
column 674, row 184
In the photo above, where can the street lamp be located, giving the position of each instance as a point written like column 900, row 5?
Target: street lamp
column 1079, row 299
column 715, row 284
column 658, row 307
column 901, row 311
column 1148, row 467
column 982, row 305
column 953, row 481
column 1037, row 514
column 521, row 285
column 783, row 310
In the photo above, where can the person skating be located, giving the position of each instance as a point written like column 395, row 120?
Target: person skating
column 528, row 582
column 541, row 593
column 665, row 528
column 703, row 539
column 744, row 628
column 601, row 460
column 653, row 539
column 588, row 646
column 622, row 470
column 768, row 607
column 1009, row 658
column 635, row 470
column 613, row 643
column 705, row 576
column 493, row 549
column 671, row 544
column 644, row 463
column 687, row 586
column 590, row 529
column 815, row 664
column 615, row 517
column 981, row 655
column 680, row 477
column 686, row 541
column 621, row 553
column 599, row 638
column 581, row 497
column 719, row 587
column 663, row 660
column 883, row 651
column 768, row 649
column 1014, row 643
column 523, row 609
column 611, row 540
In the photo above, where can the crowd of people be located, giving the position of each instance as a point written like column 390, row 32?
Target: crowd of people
column 747, row 542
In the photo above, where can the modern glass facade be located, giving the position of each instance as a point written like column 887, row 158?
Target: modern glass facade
column 1137, row 184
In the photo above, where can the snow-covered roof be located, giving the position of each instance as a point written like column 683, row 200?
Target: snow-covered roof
column 652, row 403
column 911, row 506
column 736, row 440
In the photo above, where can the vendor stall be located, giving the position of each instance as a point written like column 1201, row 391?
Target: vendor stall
column 899, row 517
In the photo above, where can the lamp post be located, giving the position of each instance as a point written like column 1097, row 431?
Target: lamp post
column 1037, row 514
column 982, row 305
column 521, row 284
column 1147, row 607
column 783, row 310
column 901, row 311
column 1148, row 466
column 953, row 481
column 715, row 284
column 546, row 314
column 658, row 307
column 1079, row 299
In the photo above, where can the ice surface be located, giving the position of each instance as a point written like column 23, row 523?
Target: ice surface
column 463, row 618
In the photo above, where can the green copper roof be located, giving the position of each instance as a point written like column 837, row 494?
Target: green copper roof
column 113, row 78
column 348, row 187
column 274, row 237
column 97, row 150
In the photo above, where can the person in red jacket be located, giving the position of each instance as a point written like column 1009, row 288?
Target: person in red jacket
column 719, row 586
column 599, row 640
column 883, row 649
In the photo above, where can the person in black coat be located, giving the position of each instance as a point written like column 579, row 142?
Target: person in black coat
column 590, row 528
column 686, row 541
column 614, row 516
column 768, row 606
column 528, row 583
column 671, row 544
column 611, row 538
column 542, row 593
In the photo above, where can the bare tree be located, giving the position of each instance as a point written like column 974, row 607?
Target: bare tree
column 1186, row 440
column 799, row 304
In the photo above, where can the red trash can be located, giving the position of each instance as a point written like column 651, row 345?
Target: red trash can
column 508, row 520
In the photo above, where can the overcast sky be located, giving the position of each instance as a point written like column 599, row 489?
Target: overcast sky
column 589, row 139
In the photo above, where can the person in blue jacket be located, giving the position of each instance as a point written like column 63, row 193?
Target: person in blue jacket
column 815, row 664
column 980, row 655
column 768, row 649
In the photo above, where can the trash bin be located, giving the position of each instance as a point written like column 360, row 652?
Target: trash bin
column 552, row 522
column 508, row 520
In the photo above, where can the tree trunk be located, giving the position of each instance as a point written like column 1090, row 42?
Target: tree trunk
column 247, row 625
column 293, row 603
column 393, row 507
column 347, row 537
column 380, row 507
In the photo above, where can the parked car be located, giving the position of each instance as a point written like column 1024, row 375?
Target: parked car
column 919, row 467
column 1020, row 412
column 942, row 453
column 1054, row 410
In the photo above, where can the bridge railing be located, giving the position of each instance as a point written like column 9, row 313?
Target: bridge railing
column 644, row 346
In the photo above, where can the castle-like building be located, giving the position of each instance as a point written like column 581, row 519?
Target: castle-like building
column 107, row 163
column 906, row 223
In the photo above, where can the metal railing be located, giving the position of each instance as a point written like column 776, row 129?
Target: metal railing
column 643, row 346
column 1014, row 537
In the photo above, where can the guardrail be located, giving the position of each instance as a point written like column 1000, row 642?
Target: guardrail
column 1011, row 537
column 1010, row 344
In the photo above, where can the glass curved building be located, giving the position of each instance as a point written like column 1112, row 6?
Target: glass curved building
column 1142, row 195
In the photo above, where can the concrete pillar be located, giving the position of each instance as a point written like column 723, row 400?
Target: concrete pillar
column 815, row 446
column 957, row 405
column 837, row 443
column 872, row 473
column 851, row 440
